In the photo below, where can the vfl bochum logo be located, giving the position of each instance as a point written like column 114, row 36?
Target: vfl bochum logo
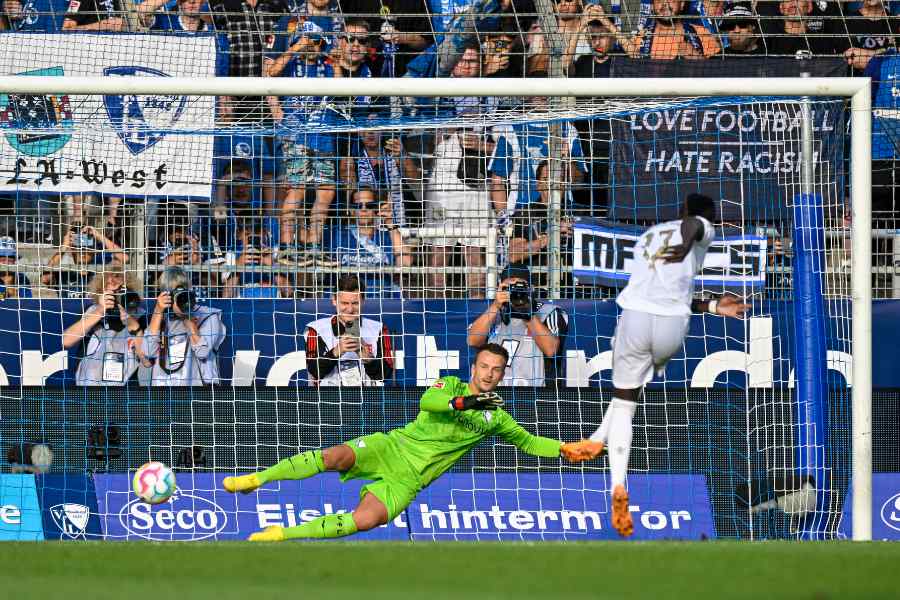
column 72, row 519
column 36, row 125
column 142, row 121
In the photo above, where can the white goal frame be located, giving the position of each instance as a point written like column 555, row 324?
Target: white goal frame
column 857, row 89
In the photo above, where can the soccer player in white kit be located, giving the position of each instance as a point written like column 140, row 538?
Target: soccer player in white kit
column 656, row 307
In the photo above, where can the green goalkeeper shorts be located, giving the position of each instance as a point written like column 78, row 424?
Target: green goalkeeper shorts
column 393, row 481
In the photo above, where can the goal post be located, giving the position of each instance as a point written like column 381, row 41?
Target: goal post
column 857, row 90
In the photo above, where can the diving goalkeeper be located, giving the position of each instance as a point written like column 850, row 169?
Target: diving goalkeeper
column 453, row 418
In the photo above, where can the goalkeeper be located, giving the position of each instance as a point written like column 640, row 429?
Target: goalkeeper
column 453, row 418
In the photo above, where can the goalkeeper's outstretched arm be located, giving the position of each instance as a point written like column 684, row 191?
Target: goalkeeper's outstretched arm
column 536, row 445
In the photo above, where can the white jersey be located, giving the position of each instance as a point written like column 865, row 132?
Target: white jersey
column 450, row 203
column 658, row 287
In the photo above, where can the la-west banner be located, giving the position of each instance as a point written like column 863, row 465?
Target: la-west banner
column 117, row 144
column 745, row 153
column 604, row 254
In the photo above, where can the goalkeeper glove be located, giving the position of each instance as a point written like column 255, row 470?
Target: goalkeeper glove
column 581, row 451
column 484, row 400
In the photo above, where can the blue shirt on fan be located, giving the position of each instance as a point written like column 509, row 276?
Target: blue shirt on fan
column 171, row 21
column 352, row 249
column 520, row 149
column 302, row 112
column 41, row 16
column 444, row 11
column 284, row 34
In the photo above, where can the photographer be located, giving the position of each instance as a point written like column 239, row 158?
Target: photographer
column 532, row 332
column 346, row 349
column 183, row 337
column 109, row 331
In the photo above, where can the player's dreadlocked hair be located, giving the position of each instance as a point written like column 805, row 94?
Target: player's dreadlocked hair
column 493, row 349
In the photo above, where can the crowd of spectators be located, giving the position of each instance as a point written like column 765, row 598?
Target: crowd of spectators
column 295, row 204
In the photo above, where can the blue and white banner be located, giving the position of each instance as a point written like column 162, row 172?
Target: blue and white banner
column 885, row 508
column 124, row 144
column 884, row 71
column 603, row 255
column 68, row 506
column 20, row 513
column 498, row 506
column 265, row 344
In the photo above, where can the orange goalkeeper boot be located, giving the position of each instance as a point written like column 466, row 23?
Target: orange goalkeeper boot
column 621, row 516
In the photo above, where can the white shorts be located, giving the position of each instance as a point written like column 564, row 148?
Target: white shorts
column 465, row 216
column 643, row 344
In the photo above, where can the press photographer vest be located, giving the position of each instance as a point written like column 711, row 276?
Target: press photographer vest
column 176, row 363
column 107, row 359
column 526, row 361
column 349, row 371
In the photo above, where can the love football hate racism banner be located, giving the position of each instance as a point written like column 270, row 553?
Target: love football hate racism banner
column 745, row 154
column 119, row 144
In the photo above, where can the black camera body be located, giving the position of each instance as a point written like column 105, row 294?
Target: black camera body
column 256, row 242
column 521, row 300
column 185, row 300
column 127, row 299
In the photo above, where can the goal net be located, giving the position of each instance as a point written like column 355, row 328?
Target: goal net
column 434, row 204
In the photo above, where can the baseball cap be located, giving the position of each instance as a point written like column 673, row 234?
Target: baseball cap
column 8, row 247
column 738, row 14
column 312, row 31
column 518, row 271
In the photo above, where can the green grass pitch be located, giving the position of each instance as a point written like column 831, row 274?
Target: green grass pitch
column 433, row 571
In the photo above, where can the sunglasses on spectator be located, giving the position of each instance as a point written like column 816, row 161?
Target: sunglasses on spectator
column 369, row 205
column 735, row 24
column 362, row 40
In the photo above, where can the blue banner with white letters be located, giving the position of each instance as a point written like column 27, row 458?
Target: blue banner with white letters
column 265, row 339
column 885, row 508
column 884, row 71
column 20, row 513
column 68, row 506
column 485, row 506
column 602, row 253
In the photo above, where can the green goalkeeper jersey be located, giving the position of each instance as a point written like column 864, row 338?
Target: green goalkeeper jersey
column 440, row 435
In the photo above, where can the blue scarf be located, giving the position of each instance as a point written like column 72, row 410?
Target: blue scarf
column 689, row 34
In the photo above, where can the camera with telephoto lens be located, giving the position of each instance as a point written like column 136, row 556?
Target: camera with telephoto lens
column 127, row 299
column 520, row 300
column 185, row 300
